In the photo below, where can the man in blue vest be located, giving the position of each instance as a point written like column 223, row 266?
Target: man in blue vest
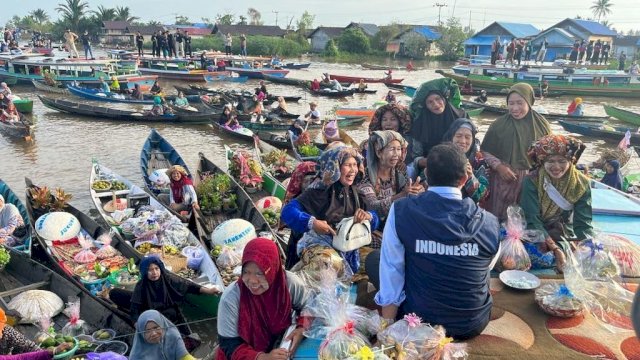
column 437, row 251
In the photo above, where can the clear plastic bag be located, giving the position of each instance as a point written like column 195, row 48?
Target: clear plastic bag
column 106, row 251
column 410, row 338
column 513, row 255
column 595, row 261
column 46, row 331
column 84, row 256
column 603, row 294
column 75, row 326
column 230, row 257
column 342, row 341
column 556, row 299
column 624, row 251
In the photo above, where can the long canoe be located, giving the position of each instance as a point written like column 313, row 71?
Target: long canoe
column 594, row 130
column 342, row 122
column 25, row 106
column 334, row 93
column 42, row 86
column 56, row 259
column 18, row 129
column 100, row 112
column 271, row 182
column 11, row 198
column 623, row 115
column 22, row 274
column 298, row 82
column 466, row 104
column 356, row 79
column 246, row 208
column 99, row 95
column 299, row 156
column 295, row 66
column 208, row 273
column 615, row 212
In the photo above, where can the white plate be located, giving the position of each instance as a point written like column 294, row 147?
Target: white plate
column 517, row 279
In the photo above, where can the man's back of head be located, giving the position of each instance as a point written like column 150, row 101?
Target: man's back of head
column 446, row 166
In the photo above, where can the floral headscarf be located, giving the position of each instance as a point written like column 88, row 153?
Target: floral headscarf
column 297, row 178
column 551, row 145
column 328, row 166
column 378, row 141
column 400, row 112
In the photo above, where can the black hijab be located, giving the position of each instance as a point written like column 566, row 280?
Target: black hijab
column 163, row 293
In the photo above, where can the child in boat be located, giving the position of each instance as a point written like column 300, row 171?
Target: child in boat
column 314, row 114
column 576, row 108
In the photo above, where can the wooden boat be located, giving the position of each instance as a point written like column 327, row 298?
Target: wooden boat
column 627, row 116
column 615, row 212
column 24, row 106
column 42, row 86
column 342, row 122
column 473, row 111
column 158, row 154
column 100, row 112
column 306, row 84
column 195, row 89
column 594, row 130
column 296, row 66
column 382, row 67
column 468, row 105
column 356, row 79
column 208, row 273
column 176, row 69
column 98, row 95
column 245, row 209
column 297, row 154
column 246, row 135
column 11, row 198
column 272, row 183
column 355, row 112
column 365, row 91
column 22, row 128
column 216, row 78
column 344, row 137
column 333, row 93
column 258, row 73
column 22, row 274
column 623, row 86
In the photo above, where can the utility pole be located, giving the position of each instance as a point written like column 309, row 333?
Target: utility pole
column 276, row 12
column 440, row 6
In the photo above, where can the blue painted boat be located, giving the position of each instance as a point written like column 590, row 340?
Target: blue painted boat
column 296, row 66
column 258, row 73
column 11, row 198
column 615, row 212
column 158, row 154
column 99, row 95
column 217, row 78
column 594, row 130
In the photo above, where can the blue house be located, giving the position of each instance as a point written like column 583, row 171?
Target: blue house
column 562, row 35
column 480, row 43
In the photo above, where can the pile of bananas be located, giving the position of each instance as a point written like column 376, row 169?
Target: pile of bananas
column 144, row 248
column 171, row 250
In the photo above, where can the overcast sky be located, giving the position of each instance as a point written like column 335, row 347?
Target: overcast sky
column 625, row 14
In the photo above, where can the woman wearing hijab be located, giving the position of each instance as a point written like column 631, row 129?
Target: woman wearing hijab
column 435, row 106
column 301, row 178
column 612, row 177
column 393, row 117
column 462, row 134
column 10, row 219
column 556, row 197
column 157, row 338
column 505, row 148
column 328, row 200
column 385, row 180
column 182, row 196
column 576, row 108
column 256, row 310
column 12, row 343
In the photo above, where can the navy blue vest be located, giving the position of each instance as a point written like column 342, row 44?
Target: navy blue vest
column 449, row 245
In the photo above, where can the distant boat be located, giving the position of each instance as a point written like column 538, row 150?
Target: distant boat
column 356, row 79
column 596, row 131
column 627, row 116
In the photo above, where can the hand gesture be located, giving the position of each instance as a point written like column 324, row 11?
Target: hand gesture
column 323, row 228
column 506, row 173
column 361, row 216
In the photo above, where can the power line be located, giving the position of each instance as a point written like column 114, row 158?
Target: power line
column 440, row 6
column 276, row 12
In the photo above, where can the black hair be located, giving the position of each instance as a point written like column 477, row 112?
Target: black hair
column 446, row 165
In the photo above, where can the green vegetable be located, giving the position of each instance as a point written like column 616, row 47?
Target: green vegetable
column 309, row 150
column 5, row 257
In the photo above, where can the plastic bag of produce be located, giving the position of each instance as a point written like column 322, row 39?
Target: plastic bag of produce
column 46, row 331
column 410, row 338
column 513, row 255
column 595, row 261
column 84, row 256
column 230, row 257
column 33, row 305
column 557, row 300
column 624, row 251
column 106, row 251
column 603, row 296
column 119, row 216
column 75, row 326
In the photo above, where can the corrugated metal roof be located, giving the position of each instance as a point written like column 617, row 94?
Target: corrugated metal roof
column 368, row 29
column 594, row 27
column 519, row 30
column 428, row 32
column 479, row 40
column 627, row 41
column 332, row 32
column 115, row 25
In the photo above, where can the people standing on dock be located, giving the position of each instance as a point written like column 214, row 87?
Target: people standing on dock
column 589, row 52
column 86, row 43
column 595, row 59
column 519, row 51
column 606, row 48
column 542, row 52
column 243, row 45
column 155, row 44
column 527, row 51
column 634, row 69
column 228, row 41
column 179, row 44
column 573, row 56
column 70, row 41
column 139, row 43
column 495, row 50
column 187, row 44
column 621, row 60
column 163, row 43
column 511, row 50
column 582, row 49
column 171, row 43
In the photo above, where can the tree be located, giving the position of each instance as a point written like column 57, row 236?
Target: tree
column 225, row 19
column 353, row 40
column 72, row 12
column 123, row 13
column 306, row 21
column 39, row 16
column 243, row 20
column 207, row 21
column 154, row 23
column 182, row 20
column 331, row 49
column 452, row 41
column 386, row 33
column 416, row 45
column 601, row 8
column 104, row 14
column 255, row 16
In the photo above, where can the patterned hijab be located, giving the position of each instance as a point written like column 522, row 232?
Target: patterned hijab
column 572, row 185
column 400, row 112
column 328, row 166
column 378, row 141
column 297, row 178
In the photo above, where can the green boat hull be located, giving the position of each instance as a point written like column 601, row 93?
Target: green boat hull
column 24, row 106
column 623, row 115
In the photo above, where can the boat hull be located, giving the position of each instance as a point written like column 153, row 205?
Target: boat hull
column 593, row 130
column 623, row 115
column 356, row 79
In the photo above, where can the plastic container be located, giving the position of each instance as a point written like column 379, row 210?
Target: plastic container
column 109, row 355
column 112, row 334
column 115, row 346
column 67, row 355
column 194, row 256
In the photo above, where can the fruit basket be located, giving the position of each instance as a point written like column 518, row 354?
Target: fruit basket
column 103, row 335
column 101, row 185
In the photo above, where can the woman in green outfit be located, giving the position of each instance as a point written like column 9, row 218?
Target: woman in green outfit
column 556, row 197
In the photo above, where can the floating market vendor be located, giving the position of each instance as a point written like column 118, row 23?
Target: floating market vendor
column 158, row 338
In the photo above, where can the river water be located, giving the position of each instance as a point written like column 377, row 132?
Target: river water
column 64, row 145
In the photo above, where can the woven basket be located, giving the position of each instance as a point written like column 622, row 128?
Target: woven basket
column 177, row 263
column 553, row 311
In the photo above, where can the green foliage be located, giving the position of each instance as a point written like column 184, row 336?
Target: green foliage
column 331, row 50
column 5, row 256
column 601, row 8
column 104, row 14
column 123, row 13
column 268, row 45
column 305, row 22
column 72, row 11
column 39, row 16
column 255, row 17
column 208, row 42
column 452, row 41
column 182, row 20
column 299, row 37
column 225, row 19
column 354, row 40
column 416, row 46
column 386, row 33
column 243, row 20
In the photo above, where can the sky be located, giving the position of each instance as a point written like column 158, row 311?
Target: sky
column 625, row 14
